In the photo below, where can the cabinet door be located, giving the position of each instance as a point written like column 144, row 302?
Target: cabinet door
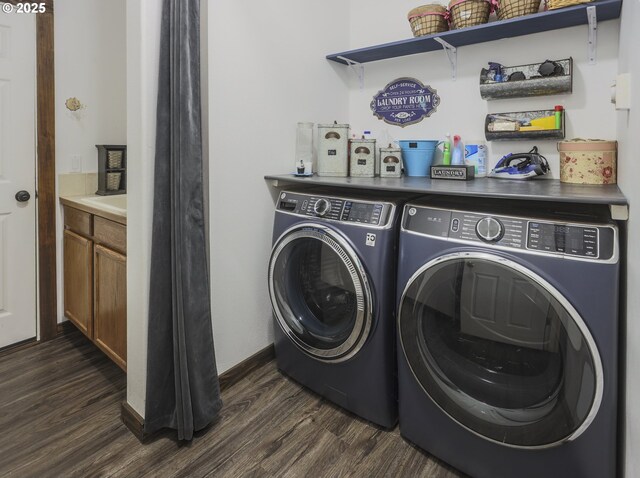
column 110, row 303
column 78, row 281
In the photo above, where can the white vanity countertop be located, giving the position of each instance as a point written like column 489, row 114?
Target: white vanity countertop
column 110, row 207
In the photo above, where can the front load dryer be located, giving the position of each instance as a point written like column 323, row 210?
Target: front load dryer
column 332, row 287
column 508, row 338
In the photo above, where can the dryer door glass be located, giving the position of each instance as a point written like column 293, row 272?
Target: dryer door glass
column 500, row 350
column 319, row 293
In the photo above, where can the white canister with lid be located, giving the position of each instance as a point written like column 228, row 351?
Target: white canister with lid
column 333, row 150
column 475, row 154
column 362, row 158
column 390, row 162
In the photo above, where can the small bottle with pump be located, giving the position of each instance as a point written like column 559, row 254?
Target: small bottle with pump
column 446, row 150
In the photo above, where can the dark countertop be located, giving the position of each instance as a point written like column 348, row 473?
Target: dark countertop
column 540, row 190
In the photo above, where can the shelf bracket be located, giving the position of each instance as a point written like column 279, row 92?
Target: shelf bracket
column 593, row 34
column 452, row 55
column 358, row 69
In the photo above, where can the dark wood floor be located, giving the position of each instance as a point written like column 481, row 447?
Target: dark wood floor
column 60, row 416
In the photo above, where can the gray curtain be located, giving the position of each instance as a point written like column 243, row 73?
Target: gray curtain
column 182, row 381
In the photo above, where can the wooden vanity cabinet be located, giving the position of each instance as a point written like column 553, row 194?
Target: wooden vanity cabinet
column 95, row 280
column 110, row 303
column 78, row 281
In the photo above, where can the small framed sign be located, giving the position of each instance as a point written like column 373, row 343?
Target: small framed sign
column 405, row 101
column 460, row 173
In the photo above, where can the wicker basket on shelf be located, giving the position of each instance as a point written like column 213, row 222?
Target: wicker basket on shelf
column 428, row 19
column 113, row 181
column 517, row 8
column 468, row 13
column 553, row 4
column 114, row 159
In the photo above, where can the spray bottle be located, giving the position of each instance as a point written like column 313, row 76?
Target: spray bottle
column 446, row 151
column 457, row 153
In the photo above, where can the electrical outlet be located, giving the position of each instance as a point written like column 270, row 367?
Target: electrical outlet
column 76, row 163
column 623, row 91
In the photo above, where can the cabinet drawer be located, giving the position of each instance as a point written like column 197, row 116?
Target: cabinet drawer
column 110, row 233
column 78, row 221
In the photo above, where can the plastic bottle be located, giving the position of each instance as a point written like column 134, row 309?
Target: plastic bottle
column 446, row 150
column 476, row 156
column 558, row 114
column 457, row 153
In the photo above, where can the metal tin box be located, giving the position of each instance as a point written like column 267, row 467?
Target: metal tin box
column 390, row 162
column 363, row 158
column 588, row 161
column 333, row 149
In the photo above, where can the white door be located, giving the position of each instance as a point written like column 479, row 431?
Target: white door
column 17, row 173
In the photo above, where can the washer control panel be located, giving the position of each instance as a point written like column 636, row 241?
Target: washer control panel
column 335, row 208
column 489, row 229
column 501, row 230
column 578, row 240
column 574, row 240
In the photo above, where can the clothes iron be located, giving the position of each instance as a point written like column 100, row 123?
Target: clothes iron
column 521, row 166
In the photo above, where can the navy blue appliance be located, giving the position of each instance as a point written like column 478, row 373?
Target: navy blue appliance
column 332, row 287
column 508, row 338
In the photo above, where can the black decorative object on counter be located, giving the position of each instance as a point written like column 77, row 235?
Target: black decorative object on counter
column 551, row 77
column 455, row 172
column 112, row 169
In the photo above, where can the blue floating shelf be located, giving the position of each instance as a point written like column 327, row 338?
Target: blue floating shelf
column 536, row 23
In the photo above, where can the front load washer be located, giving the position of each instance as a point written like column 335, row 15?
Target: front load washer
column 332, row 288
column 508, row 338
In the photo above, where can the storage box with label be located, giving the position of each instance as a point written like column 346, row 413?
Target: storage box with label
column 591, row 161
column 362, row 158
column 333, row 150
column 390, row 162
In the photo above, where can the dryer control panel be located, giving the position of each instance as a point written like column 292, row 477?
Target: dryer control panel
column 370, row 213
column 567, row 239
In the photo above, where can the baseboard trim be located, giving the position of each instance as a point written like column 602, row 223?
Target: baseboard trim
column 244, row 368
column 25, row 344
column 66, row 327
column 63, row 328
column 135, row 423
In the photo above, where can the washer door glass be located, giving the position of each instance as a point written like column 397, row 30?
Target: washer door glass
column 500, row 350
column 319, row 292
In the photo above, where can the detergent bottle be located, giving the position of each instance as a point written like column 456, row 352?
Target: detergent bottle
column 457, row 152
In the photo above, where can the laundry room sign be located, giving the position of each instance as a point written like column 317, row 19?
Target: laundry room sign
column 405, row 101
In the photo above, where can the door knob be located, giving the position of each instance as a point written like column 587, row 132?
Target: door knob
column 23, row 196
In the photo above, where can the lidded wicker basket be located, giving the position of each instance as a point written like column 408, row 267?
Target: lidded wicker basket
column 553, row 4
column 468, row 13
column 517, row 8
column 428, row 19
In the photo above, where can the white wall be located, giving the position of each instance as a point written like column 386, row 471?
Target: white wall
column 143, row 50
column 462, row 111
column 266, row 73
column 628, row 123
column 90, row 65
